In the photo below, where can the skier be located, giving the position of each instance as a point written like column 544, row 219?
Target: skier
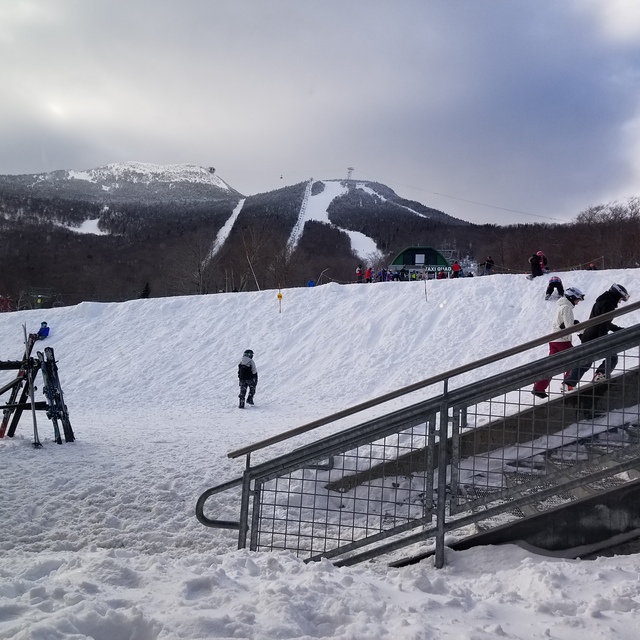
column 456, row 268
column 359, row 273
column 555, row 284
column 538, row 262
column 247, row 377
column 604, row 303
column 564, row 318
column 43, row 331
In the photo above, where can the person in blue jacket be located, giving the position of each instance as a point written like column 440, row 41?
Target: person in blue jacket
column 43, row 331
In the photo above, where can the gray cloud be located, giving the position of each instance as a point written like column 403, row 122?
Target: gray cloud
column 523, row 106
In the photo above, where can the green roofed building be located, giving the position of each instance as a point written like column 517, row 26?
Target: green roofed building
column 418, row 261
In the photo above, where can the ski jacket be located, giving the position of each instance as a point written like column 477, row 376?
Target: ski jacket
column 43, row 332
column 564, row 318
column 247, row 369
column 604, row 303
column 538, row 263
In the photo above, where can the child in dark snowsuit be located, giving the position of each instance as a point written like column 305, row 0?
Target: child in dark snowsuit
column 247, row 377
column 555, row 284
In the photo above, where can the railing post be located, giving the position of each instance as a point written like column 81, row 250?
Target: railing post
column 255, row 516
column 244, row 504
column 442, row 477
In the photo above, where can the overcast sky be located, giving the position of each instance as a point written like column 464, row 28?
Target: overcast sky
column 495, row 111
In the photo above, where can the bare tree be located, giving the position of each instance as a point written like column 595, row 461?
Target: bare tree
column 188, row 267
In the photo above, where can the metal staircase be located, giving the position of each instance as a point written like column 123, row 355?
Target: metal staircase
column 469, row 458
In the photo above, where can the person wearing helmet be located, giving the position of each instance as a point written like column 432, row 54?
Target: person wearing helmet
column 538, row 262
column 606, row 302
column 555, row 284
column 247, row 377
column 43, row 331
column 563, row 319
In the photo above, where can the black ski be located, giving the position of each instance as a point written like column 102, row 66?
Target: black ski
column 58, row 407
column 48, row 390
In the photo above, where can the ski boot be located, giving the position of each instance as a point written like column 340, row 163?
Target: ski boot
column 241, row 404
column 250, row 400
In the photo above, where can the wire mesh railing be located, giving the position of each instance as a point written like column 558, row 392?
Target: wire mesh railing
column 479, row 454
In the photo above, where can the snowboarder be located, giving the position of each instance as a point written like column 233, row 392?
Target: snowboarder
column 456, row 268
column 247, row 377
column 359, row 273
column 564, row 318
column 43, row 331
column 538, row 262
column 555, row 284
column 604, row 303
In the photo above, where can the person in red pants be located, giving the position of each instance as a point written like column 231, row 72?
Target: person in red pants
column 564, row 318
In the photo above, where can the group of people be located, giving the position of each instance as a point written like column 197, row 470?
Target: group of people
column 537, row 262
column 564, row 318
column 383, row 275
column 387, row 275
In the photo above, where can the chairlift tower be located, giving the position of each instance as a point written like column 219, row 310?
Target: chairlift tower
column 349, row 172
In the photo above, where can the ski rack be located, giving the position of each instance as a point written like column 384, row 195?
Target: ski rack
column 21, row 396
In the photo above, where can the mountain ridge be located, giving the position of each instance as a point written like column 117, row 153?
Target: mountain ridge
column 182, row 228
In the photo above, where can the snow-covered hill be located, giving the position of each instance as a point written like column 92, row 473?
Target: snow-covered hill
column 99, row 538
column 115, row 174
column 135, row 182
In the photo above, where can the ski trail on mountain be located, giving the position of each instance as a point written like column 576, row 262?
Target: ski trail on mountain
column 315, row 207
column 371, row 192
column 223, row 234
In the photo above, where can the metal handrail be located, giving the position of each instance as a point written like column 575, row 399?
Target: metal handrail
column 209, row 522
column 310, row 426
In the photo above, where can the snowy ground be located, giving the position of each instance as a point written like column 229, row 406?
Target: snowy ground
column 98, row 538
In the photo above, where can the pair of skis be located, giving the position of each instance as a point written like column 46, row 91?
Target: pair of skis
column 57, row 410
